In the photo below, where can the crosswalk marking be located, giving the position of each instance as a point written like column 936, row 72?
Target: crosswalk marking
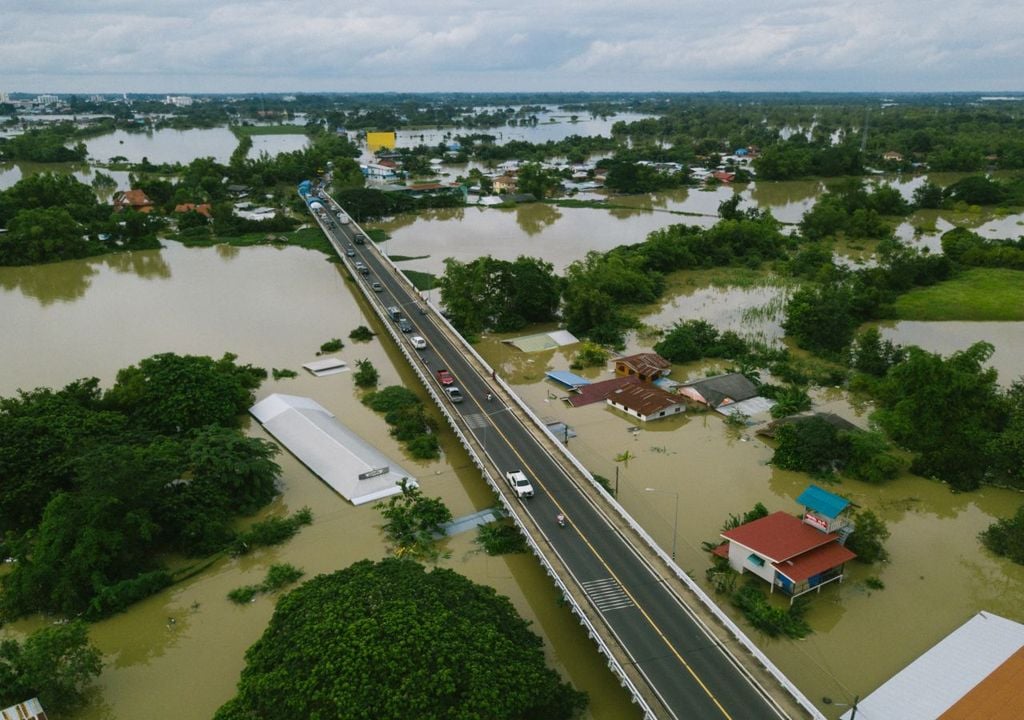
column 607, row 594
column 476, row 420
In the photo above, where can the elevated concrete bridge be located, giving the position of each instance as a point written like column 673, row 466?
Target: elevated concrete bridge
column 668, row 643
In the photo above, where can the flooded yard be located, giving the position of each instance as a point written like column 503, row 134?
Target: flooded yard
column 273, row 307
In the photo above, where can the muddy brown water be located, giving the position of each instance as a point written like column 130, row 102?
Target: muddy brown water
column 273, row 307
column 938, row 577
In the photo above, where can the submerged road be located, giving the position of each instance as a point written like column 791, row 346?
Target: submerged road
column 678, row 666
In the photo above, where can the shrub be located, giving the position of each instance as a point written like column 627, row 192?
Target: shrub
column 332, row 345
column 361, row 334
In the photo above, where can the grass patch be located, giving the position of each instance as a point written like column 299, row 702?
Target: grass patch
column 278, row 576
column 309, row 237
column 976, row 294
column 377, row 235
column 421, row 280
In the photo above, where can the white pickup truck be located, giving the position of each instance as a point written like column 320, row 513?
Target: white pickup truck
column 519, row 483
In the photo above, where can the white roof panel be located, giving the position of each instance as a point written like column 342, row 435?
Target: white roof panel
column 940, row 677
column 352, row 467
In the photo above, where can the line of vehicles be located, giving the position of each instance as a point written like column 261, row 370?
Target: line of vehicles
column 517, row 480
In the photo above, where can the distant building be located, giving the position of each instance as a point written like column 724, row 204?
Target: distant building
column 46, row 99
column 133, row 199
column 203, row 209
column 505, row 184
column 178, row 100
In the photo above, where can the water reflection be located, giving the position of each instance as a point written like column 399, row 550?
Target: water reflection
column 60, row 282
column 534, row 217
column 147, row 264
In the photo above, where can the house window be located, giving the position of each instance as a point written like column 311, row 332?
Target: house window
column 755, row 560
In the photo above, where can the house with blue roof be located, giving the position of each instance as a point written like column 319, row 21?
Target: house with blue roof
column 827, row 511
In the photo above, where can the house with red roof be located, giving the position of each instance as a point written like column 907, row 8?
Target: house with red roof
column 786, row 552
column 203, row 209
column 134, row 199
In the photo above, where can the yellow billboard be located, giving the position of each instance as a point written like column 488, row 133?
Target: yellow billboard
column 378, row 140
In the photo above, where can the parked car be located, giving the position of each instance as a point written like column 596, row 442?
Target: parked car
column 359, row 239
column 519, row 483
column 393, row 312
column 454, row 394
column 350, row 251
column 444, row 377
column 376, row 286
column 418, row 342
column 404, row 325
column 361, row 267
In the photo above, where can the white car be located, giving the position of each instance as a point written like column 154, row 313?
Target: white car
column 454, row 394
column 417, row 342
column 519, row 483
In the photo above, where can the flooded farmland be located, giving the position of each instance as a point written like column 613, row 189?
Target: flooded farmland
column 274, row 306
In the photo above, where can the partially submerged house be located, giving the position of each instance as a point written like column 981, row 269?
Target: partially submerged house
column 728, row 394
column 28, row 710
column 786, row 552
column 132, row 199
column 645, row 401
column 647, row 367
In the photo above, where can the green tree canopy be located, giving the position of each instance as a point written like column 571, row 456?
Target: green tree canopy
column 170, row 393
column 945, row 409
column 389, row 640
column 55, row 664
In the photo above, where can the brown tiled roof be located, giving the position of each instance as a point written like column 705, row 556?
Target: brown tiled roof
column 645, row 363
column 203, row 209
column 596, row 392
column 644, row 399
column 134, row 198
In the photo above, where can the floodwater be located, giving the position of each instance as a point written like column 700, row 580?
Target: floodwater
column 11, row 172
column 164, row 146
column 273, row 307
column 552, row 124
column 948, row 337
column 938, row 577
column 555, row 234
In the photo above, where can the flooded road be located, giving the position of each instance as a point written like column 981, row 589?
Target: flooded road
column 273, row 307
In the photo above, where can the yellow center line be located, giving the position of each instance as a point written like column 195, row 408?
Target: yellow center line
column 622, row 585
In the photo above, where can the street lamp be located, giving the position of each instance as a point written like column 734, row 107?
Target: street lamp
column 853, row 708
column 675, row 518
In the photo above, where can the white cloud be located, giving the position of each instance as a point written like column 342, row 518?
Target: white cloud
column 114, row 45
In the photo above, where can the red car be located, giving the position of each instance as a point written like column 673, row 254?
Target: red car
column 445, row 377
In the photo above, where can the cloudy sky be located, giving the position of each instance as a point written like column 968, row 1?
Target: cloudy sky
column 193, row 46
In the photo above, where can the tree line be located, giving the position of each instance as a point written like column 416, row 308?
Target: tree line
column 100, row 484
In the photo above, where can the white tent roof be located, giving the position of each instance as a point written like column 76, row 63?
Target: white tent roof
column 935, row 681
column 343, row 460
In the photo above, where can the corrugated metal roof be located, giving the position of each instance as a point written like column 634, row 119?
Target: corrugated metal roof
column 567, row 378
column 933, row 683
column 779, row 536
column 822, row 501
column 351, row 466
